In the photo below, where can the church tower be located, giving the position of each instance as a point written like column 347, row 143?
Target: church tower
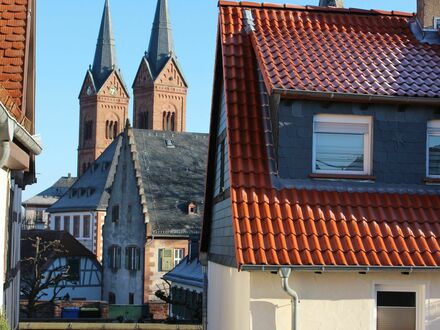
column 159, row 87
column 103, row 98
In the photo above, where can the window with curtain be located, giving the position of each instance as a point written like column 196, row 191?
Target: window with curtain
column 433, row 149
column 342, row 144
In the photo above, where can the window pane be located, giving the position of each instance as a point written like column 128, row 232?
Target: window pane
column 67, row 224
column 339, row 152
column 76, row 225
column 86, row 226
column 434, row 155
column 397, row 299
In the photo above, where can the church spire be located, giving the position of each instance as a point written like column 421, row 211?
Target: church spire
column 105, row 55
column 161, row 40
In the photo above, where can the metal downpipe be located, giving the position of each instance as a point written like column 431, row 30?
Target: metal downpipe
column 285, row 274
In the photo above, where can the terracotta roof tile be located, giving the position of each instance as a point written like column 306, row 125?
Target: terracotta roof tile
column 13, row 20
column 347, row 51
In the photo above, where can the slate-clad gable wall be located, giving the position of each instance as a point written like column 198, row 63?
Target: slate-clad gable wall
column 399, row 139
column 222, row 247
column 221, row 130
column 124, row 233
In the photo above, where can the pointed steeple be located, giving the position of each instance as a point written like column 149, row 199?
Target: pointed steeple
column 105, row 56
column 161, row 40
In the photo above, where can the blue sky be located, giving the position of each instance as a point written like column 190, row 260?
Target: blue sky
column 66, row 40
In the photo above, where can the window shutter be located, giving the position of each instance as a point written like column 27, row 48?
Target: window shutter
column 118, row 257
column 138, row 259
column 127, row 257
column 167, row 259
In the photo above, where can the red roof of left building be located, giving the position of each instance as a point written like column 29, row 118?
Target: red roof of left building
column 308, row 227
column 14, row 43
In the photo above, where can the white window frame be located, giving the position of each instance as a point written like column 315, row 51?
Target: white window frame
column 419, row 290
column 349, row 124
column 433, row 129
column 178, row 256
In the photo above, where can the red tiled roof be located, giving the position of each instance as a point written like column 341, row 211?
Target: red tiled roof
column 13, row 26
column 343, row 51
column 310, row 227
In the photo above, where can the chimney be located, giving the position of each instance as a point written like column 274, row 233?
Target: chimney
column 427, row 11
column 331, row 3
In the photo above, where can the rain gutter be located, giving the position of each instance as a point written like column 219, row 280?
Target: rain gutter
column 350, row 97
column 323, row 269
column 13, row 130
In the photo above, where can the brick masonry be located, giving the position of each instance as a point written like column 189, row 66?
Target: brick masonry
column 100, row 108
column 166, row 93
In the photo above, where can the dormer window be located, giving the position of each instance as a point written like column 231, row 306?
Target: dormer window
column 192, row 208
column 342, row 144
column 433, row 149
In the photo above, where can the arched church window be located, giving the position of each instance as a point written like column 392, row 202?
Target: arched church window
column 173, row 122
column 115, row 129
column 164, row 121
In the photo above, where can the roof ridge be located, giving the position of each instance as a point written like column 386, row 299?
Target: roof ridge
column 227, row 3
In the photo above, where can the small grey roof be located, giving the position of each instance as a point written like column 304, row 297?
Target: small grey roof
column 331, row 3
column 161, row 45
column 186, row 273
column 51, row 194
column 172, row 178
column 90, row 192
column 105, row 55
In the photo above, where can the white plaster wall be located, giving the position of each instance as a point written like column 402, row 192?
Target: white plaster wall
column 4, row 189
column 88, row 242
column 333, row 301
column 228, row 298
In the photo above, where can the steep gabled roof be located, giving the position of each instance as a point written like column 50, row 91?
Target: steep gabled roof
column 70, row 246
column 16, row 56
column 51, row 194
column 327, row 50
column 90, row 191
column 172, row 177
column 336, row 50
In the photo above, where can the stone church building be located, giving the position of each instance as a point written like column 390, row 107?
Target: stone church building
column 139, row 195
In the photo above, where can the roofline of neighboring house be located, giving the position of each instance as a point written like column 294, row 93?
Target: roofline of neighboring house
column 358, row 11
column 14, row 130
column 346, row 97
column 67, row 210
column 327, row 269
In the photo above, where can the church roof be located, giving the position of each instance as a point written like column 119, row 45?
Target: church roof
column 90, row 191
column 105, row 61
column 172, row 167
column 161, row 46
column 51, row 194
